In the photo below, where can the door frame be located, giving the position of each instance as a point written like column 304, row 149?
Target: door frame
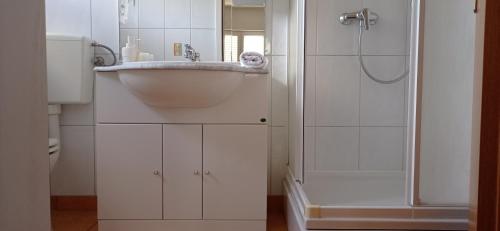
column 485, row 213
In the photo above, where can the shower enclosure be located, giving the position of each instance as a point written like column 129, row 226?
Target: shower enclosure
column 380, row 137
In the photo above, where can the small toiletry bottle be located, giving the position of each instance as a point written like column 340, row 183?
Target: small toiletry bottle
column 145, row 57
column 130, row 51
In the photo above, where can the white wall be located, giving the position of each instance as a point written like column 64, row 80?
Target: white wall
column 277, row 12
column 96, row 19
column 355, row 123
column 161, row 23
column 24, row 161
column 447, row 102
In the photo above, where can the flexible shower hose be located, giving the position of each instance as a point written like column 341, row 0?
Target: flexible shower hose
column 378, row 80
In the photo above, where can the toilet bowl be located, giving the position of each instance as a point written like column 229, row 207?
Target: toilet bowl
column 54, row 135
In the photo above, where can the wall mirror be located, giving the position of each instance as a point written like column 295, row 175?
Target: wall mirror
column 243, row 28
column 158, row 27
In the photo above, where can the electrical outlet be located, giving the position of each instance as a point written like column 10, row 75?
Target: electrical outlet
column 177, row 49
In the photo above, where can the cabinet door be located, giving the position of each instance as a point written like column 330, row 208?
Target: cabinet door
column 182, row 164
column 235, row 172
column 128, row 170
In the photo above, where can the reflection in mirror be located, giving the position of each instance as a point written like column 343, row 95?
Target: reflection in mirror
column 243, row 23
column 159, row 30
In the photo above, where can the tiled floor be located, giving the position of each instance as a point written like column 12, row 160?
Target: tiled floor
column 86, row 220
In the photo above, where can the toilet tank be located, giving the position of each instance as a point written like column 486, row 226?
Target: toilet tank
column 69, row 69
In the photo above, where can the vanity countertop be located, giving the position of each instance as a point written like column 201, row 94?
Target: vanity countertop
column 172, row 65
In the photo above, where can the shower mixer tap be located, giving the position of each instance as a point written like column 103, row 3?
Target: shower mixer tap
column 367, row 18
column 364, row 16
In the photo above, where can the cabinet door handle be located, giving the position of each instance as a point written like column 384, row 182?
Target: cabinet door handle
column 156, row 172
column 207, row 172
column 196, row 172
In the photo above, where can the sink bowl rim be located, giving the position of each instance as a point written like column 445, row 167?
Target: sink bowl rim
column 182, row 65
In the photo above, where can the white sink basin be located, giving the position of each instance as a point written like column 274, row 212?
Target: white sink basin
column 182, row 84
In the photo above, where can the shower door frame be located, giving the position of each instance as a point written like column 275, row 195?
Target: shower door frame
column 304, row 215
column 414, row 103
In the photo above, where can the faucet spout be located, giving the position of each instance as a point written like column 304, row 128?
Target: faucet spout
column 190, row 53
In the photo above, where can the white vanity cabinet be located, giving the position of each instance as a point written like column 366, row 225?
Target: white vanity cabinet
column 235, row 172
column 215, row 172
column 129, row 171
column 189, row 169
column 183, row 167
column 182, row 172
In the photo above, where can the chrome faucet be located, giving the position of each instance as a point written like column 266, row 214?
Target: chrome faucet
column 364, row 16
column 190, row 53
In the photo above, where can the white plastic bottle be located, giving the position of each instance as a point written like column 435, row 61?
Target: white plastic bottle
column 130, row 51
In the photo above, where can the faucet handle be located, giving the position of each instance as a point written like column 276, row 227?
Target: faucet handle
column 188, row 50
column 365, row 17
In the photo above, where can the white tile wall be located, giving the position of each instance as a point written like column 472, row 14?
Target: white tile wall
column 334, row 38
column 98, row 20
column 310, row 148
column 383, row 104
column 175, row 36
column 175, row 18
column 75, row 19
column 353, row 123
column 103, row 31
column 279, row 158
column 389, row 35
column 152, row 14
column 124, row 33
column 82, row 115
column 268, row 11
column 277, row 12
column 280, row 12
column 310, row 91
column 381, row 148
column 324, row 38
column 279, row 106
column 203, row 41
column 132, row 17
column 153, row 41
column 337, row 91
column 311, row 26
column 181, row 21
column 74, row 172
column 337, row 148
column 203, row 14
column 177, row 14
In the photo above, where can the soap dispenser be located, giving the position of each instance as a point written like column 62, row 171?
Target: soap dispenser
column 130, row 51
